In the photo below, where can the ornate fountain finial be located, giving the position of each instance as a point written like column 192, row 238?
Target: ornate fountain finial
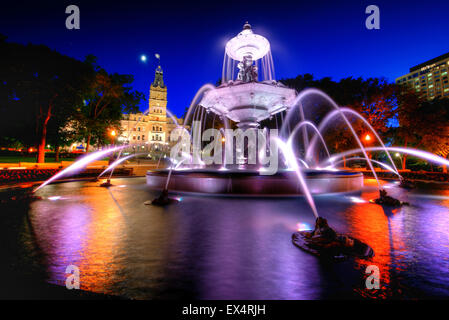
column 247, row 43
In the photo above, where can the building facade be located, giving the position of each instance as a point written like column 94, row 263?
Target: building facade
column 429, row 79
column 151, row 129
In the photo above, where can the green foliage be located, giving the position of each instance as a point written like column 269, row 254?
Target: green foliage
column 375, row 99
column 39, row 90
column 423, row 124
column 45, row 95
column 109, row 95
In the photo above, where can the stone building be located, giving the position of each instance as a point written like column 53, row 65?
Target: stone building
column 152, row 128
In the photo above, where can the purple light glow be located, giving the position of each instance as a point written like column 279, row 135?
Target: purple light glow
column 413, row 152
column 79, row 164
column 291, row 159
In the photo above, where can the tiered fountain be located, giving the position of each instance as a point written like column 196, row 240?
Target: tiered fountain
column 244, row 101
column 248, row 96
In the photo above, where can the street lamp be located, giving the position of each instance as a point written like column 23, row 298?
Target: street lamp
column 112, row 133
column 398, row 155
column 367, row 138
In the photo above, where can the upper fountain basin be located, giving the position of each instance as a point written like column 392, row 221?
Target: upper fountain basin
column 249, row 102
column 246, row 43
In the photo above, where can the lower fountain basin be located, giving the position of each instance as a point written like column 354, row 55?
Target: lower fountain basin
column 251, row 183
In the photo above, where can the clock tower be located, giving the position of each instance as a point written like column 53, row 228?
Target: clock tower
column 158, row 106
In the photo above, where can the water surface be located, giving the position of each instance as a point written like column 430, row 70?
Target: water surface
column 233, row 248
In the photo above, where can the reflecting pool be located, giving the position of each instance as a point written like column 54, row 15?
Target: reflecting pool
column 231, row 248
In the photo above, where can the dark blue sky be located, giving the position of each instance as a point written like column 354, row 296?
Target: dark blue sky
column 325, row 38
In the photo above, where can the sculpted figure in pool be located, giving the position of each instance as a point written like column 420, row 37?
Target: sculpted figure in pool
column 324, row 242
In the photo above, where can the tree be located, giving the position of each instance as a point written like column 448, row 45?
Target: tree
column 375, row 99
column 423, row 124
column 108, row 97
column 37, row 84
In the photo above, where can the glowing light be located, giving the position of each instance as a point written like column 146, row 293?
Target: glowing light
column 367, row 137
column 143, row 58
column 54, row 198
column 291, row 159
column 113, row 133
column 79, row 164
column 117, row 162
column 356, row 200
column 397, row 154
column 413, row 152
column 247, row 43
column 302, row 226
column 223, row 139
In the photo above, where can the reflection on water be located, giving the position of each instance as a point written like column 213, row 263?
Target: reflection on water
column 237, row 248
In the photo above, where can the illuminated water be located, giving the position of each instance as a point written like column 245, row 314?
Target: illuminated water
column 229, row 248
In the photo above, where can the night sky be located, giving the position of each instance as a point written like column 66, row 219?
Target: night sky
column 325, row 38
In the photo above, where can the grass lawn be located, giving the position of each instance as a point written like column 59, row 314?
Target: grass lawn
column 17, row 159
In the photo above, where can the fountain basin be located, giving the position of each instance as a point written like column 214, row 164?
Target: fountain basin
column 251, row 183
column 248, row 102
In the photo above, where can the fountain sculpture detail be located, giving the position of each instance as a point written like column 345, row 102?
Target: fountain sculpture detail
column 245, row 100
column 248, row 95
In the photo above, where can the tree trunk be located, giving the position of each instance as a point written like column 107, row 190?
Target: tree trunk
column 404, row 162
column 404, row 156
column 57, row 149
column 370, row 156
column 88, row 142
column 43, row 137
column 41, row 146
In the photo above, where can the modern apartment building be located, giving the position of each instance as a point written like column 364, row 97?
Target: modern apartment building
column 430, row 78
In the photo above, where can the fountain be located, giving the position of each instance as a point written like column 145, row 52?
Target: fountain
column 279, row 119
column 248, row 96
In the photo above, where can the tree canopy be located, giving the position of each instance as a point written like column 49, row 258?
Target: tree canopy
column 48, row 96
